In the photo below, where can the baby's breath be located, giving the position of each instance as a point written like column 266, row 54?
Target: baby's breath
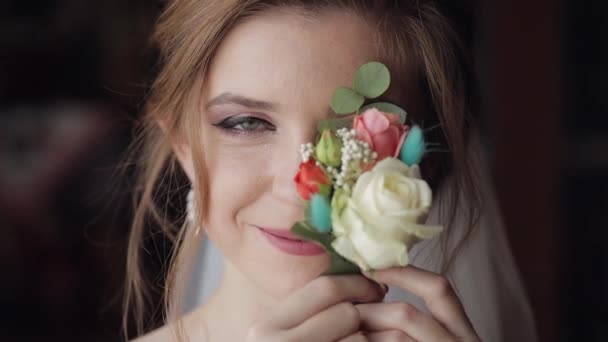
column 306, row 151
column 354, row 154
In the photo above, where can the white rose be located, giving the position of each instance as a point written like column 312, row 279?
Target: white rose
column 382, row 219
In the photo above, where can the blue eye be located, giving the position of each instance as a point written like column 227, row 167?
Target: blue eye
column 245, row 125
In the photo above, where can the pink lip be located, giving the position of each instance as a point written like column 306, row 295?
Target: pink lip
column 289, row 243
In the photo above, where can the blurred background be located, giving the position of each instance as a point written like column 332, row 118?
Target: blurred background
column 73, row 75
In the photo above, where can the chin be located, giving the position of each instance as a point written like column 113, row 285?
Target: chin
column 280, row 286
column 281, row 277
column 278, row 273
column 274, row 272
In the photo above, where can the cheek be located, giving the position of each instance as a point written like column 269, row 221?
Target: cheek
column 236, row 179
column 241, row 182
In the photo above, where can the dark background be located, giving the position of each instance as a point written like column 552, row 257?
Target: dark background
column 72, row 77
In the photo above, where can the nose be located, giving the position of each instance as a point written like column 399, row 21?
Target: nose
column 286, row 164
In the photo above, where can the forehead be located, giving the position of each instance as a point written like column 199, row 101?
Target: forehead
column 289, row 54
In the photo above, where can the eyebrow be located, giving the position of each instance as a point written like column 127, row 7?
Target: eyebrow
column 230, row 98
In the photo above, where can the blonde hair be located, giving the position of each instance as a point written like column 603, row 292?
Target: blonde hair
column 412, row 35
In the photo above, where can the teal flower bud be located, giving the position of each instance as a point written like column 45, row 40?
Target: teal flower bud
column 414, row 147
column 319, row 213
column 329, row 149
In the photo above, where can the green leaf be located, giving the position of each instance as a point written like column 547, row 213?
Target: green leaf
column 372, row 79
column 335, row 123
column 322, row 126
column 339, row 265
column 346, row 101
column 387, row 107
column 303, row 230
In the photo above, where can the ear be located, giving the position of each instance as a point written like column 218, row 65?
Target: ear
column 182, row 150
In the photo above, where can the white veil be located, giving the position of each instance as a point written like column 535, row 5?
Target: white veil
column 484, row 274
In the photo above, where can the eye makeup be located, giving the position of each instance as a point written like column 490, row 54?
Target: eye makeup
column 245, row 125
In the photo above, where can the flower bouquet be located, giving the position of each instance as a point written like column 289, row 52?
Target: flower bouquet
column 366, row 201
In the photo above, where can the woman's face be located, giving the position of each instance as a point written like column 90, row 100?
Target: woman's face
column 270, row 83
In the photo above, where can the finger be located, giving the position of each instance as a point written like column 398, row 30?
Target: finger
column 403, row 317
column 389, row 336
column 331, row 324
column 322, row 293
column 357, row 337
column 437, row 293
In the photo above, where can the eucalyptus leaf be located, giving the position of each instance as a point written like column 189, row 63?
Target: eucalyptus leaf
column 335, row 123
column 346, row 101
column 372, row 79
column 387, row 107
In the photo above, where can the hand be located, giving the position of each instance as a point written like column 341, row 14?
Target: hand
column 320, row 311
column 401, row 321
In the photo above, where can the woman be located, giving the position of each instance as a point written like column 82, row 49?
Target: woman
column 242, row 85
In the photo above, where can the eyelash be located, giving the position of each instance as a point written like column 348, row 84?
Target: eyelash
column 230, row 124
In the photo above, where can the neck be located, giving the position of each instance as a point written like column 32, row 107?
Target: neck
column 235, row 305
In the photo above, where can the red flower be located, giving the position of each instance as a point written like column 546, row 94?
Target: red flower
column 311, row 179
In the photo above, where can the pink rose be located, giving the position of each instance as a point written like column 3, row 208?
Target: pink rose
column 382, row 131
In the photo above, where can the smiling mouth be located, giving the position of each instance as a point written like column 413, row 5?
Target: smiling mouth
column 285, row 241
column 282, row 233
